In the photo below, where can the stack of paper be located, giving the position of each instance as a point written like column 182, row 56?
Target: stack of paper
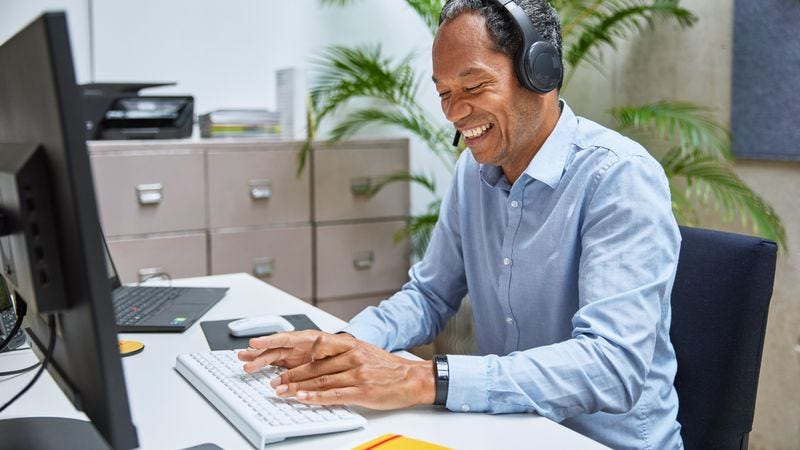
column 253, row 123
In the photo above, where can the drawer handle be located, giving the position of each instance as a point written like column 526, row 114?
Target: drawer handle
column 152, row 273
column 363, row 260
column 260, row 189
column 361, row 186
column 263, row 267
column 149, row 194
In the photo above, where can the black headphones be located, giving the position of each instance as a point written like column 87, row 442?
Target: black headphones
column 537, row 62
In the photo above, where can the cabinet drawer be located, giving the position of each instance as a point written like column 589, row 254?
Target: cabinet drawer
column 358, row 259
column 347, row 308
column 344, row 171
column 259, row 187
column 280, row 256
column 149, row 193
column 177, row 256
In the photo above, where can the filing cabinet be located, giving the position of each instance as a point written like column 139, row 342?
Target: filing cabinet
column 144, row 190
column 361, row 258
column 358, row 262
column 199, row 207
column 254, row 186
column 279, row 256
column 345, row 172
column 163, row 256
column 347, row 308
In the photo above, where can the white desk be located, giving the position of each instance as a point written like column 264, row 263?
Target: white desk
column 170, row 414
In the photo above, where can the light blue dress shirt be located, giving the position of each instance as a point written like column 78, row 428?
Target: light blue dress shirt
column 569, row 272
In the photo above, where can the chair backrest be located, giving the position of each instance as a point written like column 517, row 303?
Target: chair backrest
column 720, row 302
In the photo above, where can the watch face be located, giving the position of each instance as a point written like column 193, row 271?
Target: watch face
column 442, row 368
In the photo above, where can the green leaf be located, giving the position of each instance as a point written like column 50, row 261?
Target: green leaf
column 687, row 124
column 610, row 21
column 419, row 229
column 341, row 74
column 406, row 118
column 402, row 177
column 428, row 11
column 712, row 182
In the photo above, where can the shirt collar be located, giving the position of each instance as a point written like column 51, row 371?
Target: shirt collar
column 549, row 162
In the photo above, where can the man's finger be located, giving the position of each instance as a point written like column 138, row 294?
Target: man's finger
column 248, row 354
column 339, row 396
column 267, row 358
column 313, row 369
column 320, row 383
column 274, row 341
column 327, row 345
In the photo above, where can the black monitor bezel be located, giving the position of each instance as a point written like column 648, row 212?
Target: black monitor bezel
column 86, row 364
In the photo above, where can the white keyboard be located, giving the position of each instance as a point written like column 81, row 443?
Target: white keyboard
column 250, row 404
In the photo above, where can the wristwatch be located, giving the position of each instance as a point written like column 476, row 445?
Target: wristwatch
column 441, row 373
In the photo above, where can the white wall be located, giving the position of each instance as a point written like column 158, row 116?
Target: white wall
column 15, row 14
column 225, row 53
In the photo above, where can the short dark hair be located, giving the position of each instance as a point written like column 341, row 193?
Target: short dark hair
column 504, row 34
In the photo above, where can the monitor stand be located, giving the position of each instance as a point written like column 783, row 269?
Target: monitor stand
column 49, row 433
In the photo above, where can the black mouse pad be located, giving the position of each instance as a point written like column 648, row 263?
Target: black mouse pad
column 219, row 338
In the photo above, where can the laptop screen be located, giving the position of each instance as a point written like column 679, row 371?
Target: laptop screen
column 113, row 278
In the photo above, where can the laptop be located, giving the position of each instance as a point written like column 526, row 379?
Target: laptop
column 143, row 309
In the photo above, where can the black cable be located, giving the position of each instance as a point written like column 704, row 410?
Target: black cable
column 21, row 309
column 48, row 356
column 18, row 371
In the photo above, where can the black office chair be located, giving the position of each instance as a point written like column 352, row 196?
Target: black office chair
column 720, row 302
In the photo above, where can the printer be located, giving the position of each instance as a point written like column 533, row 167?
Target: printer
column 117, row 111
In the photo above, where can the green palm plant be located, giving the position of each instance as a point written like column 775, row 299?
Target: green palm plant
column 698, row 156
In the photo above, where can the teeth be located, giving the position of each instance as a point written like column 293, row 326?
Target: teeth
column 476, row 132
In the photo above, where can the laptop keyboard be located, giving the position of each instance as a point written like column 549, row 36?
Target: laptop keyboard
column 132, row 305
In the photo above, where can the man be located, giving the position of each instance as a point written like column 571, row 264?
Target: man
column 560, row 230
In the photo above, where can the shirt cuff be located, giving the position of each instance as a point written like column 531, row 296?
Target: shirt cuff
column 468, row 388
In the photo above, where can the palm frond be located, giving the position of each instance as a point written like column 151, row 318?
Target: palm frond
column 419, row 229
column 412, row 120
column 572, row 14
column 401, row 177
column 342, row 73
column 614, row 20
column 428, row 11
column 712, row 182
column 687, row 124
column 311, row 134
column 682, row 206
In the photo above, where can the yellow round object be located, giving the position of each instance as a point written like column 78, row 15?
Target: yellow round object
column 128, row 348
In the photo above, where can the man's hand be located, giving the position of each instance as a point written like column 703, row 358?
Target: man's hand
column 328, row 369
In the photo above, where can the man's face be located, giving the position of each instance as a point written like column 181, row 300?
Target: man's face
column 480, row 94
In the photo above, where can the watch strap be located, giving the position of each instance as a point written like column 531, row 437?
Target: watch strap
column 441, row 373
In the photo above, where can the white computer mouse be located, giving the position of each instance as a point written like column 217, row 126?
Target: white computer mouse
column 259, row 325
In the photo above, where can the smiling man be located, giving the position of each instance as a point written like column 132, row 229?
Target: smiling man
column 560, row 231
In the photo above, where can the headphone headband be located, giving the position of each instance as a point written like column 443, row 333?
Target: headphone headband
column 537, row 62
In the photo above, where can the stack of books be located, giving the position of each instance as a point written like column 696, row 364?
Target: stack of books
column 241, row 123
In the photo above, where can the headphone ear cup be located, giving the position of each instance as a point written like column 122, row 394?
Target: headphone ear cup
column 542, row 67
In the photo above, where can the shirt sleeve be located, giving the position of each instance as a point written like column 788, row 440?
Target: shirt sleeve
column 629, row 251
column 415, row 315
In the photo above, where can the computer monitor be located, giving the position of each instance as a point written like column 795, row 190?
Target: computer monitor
column 52, row 249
